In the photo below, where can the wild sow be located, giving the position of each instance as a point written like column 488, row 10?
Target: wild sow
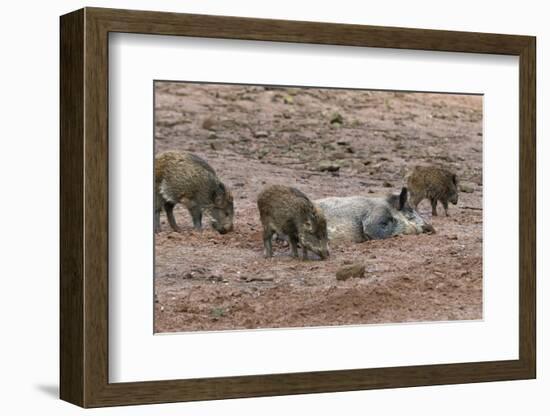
column 361, row 218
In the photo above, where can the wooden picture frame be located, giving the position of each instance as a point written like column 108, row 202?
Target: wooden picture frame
column 84, row 207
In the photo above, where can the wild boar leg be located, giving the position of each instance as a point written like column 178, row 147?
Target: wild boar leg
column 196, row 214
column 157, row 220
column 293, row 245
column 268, row 234
column 169, row 208
column 415, row 200
column 159, row 201
column 304, row 252
column 434, row 207
column 446, row 206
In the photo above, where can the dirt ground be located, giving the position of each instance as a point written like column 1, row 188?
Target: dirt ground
column 254, row 136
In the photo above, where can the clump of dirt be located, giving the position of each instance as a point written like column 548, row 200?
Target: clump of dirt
column 325, row 142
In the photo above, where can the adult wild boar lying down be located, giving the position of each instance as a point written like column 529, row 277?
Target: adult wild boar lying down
column 361, row 218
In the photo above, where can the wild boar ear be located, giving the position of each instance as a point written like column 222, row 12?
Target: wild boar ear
column 403, row 197
column 454, row 179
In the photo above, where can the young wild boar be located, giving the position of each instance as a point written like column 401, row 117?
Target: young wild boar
column 435, row 184
column 287, row 211
column 186, row 178
column 361, row 218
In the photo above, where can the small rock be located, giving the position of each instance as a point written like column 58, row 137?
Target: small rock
column 215, row 146
column 209, row 124
column 249, row 279
column 336, row 118
column 387, row 184
column 467, row 188
column 452, row 237
column 337, row 156
column 346, row 272
column 215, row 278
column 328, row 166
column 212, row 136
column 261, row 134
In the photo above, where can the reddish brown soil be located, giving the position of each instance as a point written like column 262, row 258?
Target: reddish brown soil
column 254, row 136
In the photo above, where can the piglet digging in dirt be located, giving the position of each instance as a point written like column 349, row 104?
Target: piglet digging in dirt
column 288, row 211
column 186, row 178
column 361, row 218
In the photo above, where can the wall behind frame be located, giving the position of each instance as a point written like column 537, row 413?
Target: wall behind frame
column 29, row 238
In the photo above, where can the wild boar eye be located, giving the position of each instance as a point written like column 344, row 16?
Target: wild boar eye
column 386, row 221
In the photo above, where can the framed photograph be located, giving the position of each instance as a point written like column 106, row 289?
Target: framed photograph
column 255, row 207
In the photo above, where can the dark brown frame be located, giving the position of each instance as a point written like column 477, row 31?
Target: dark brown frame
column 84, row 207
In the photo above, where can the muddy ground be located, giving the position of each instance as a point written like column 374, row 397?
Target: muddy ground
column 254, row 136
